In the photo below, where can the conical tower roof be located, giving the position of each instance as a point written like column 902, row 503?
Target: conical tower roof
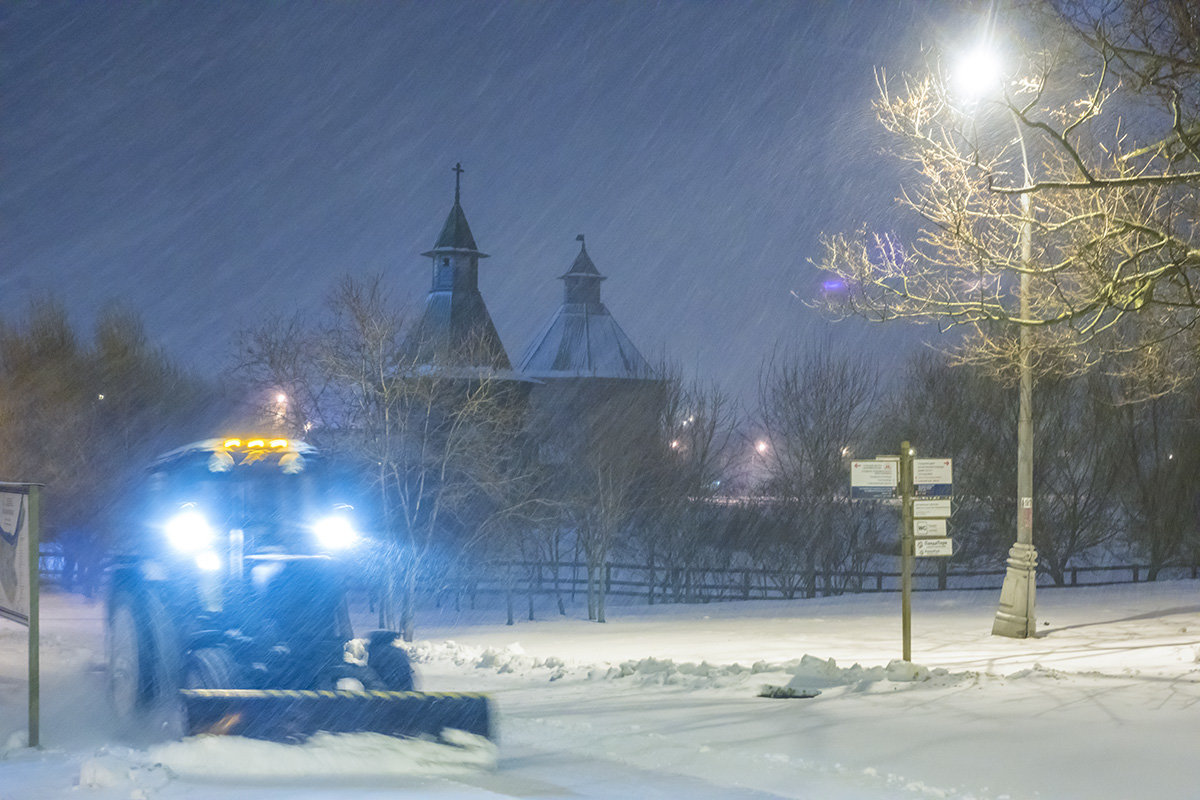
column 582, row 266
column 582, row 339
column 456, row 233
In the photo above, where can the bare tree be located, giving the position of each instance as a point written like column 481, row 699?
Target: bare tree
column 958, row 413
column 437, row 442
column 965, row 414
column 814, row 410
column 692, row 453
column 1160, row 445
column 85, row 418
column 603, row 452
column 1077, row 505
column 1100, row 180
column 47, row 419
column 1153, row 44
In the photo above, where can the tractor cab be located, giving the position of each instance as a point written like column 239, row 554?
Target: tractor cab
column 215, row 503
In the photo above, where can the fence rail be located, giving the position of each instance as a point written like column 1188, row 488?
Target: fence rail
column 656, row 584
column 700, row 584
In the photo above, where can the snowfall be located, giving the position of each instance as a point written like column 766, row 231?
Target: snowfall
column 664, row 702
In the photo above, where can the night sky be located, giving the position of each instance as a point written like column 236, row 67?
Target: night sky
column 214, row 163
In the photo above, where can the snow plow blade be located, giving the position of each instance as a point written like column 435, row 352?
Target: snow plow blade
column 290, row 715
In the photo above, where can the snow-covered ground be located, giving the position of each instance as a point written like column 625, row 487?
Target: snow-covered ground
column 662, row 702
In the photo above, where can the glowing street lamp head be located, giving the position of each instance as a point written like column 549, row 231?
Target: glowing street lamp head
column 978, row 72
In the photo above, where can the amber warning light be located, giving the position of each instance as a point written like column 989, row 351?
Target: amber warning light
column 256, row 444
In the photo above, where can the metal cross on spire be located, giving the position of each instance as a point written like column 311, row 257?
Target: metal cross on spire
column 458, row 171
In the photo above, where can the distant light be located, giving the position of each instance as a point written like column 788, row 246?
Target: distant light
column 99, row 397
column 674, row 444
column 281, row 398
column 833, row 286
column 761, row 446
column 256, row 443
column 279, row 443
column 233, row 443
column 845, row 452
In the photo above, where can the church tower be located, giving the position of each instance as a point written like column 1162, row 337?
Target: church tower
column 582, row 340
column 455, row 329
column 594, row 389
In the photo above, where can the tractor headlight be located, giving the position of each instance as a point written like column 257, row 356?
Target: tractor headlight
column 189, row 532
column 335, row 533
column 208, row 561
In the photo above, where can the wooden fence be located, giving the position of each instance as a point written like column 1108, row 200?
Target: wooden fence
column 653, row 584
column 715, row 584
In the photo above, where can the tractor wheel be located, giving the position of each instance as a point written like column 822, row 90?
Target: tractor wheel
column 128, row 685
column 389, row 662
column 213, row 668
column 143, row 655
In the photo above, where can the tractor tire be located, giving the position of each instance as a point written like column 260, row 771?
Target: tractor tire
column 143, row 656
column 127, row 662
column 213, row 668
column 389, row 662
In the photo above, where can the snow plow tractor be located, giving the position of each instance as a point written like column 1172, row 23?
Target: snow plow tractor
column 229, row 605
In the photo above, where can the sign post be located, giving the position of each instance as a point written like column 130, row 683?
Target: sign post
column 20, row 577
column 906, row 547
column 924, row 487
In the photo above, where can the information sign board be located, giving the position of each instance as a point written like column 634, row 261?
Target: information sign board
column 14, row 556
column 874, row 479
column 932, row 477
column 940, row 546
column 935, row 507
column 929, row 527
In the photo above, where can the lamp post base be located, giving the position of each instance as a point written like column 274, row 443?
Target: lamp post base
column 1016, row 615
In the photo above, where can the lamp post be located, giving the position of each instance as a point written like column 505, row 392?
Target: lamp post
column 1016, row 613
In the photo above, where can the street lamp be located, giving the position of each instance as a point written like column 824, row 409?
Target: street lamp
column 978, row 73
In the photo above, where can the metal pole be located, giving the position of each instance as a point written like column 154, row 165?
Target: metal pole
column 34, row 591
column 906, row 547
column 1016, row 615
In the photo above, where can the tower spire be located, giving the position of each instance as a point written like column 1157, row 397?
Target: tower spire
column 455, row 328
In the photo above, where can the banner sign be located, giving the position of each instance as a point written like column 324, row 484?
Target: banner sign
column 14, row 556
